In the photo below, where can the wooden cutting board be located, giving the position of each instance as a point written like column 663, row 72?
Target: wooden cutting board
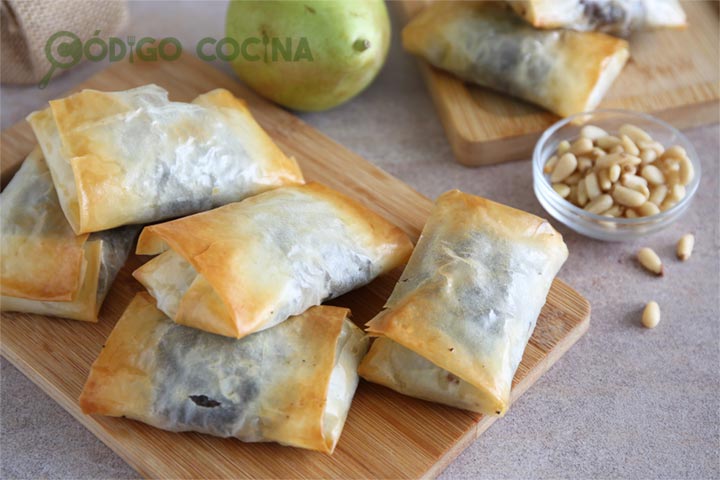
column 387, row 435
column 674, row 75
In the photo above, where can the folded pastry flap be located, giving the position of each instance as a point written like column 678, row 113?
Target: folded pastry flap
column 42, row 258
column 396, row 367
column 85, row 304
column 472, row 291
column 229, row 269
column 120, row 380
column 63, row 177
column 277, row 169
column 286, row 399
column 388, row 240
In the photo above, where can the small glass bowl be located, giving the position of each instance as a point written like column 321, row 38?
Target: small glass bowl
column 598, row 226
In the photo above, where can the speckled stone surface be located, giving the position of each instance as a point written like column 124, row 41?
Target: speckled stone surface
column 625, row 402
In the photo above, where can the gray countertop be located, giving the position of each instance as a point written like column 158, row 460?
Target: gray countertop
column 624, row 402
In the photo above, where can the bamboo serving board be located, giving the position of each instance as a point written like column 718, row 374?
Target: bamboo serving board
column 387, row 435
column 673, row 74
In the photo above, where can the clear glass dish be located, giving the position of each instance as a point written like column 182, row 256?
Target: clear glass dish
column 598, row 226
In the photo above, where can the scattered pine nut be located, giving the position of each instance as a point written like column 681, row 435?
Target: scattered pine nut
column 651, row 315
column 614, row 172
column 650, row 261
column 685, row 246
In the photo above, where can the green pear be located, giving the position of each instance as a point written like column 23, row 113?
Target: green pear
column 309, row 55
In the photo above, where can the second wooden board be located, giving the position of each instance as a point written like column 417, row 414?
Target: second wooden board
column 671, row 74
column 387, row 435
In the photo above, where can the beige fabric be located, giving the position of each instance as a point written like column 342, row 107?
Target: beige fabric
column 26, row 25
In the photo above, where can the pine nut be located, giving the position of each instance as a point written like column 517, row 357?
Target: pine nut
column 669, row 165
column 647, row 209
column 573, row 179
column 685, row 246
column 658, row 194
column 650, row 261
column 636, row 133
column 667, row 204
column 653, row 175
column 598, row 152
column 561, row 189
column 582, row 194
column 603, row 180
column 607, row 142
column 672, row 178
column 677, row 192
column 572, row 197
column 648, row 156
column 636, row 183
column 592, row 187
column 600, row 204
column 584, row 164
column 563, row 147
column 564, row 167
column 614, row 211
column 627, row 196
column 628, row 145
column 653, row 145
column 687, row 171
column 629, row 169
column 581, row 146
column 651, row 315
column 592, row 132
column 676, row 151
column 635, row 172
column 550, row 164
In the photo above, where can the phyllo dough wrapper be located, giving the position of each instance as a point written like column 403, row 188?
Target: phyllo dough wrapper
column 250, row 265
column 45, row 268
column 131, row 157
column 457, row 323
column 613, row 16
column 292, row 384
column 563, row 71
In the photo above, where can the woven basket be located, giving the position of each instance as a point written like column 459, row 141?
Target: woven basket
column 26, row 26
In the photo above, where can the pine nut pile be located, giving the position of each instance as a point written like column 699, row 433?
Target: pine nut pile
column 629, row 175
